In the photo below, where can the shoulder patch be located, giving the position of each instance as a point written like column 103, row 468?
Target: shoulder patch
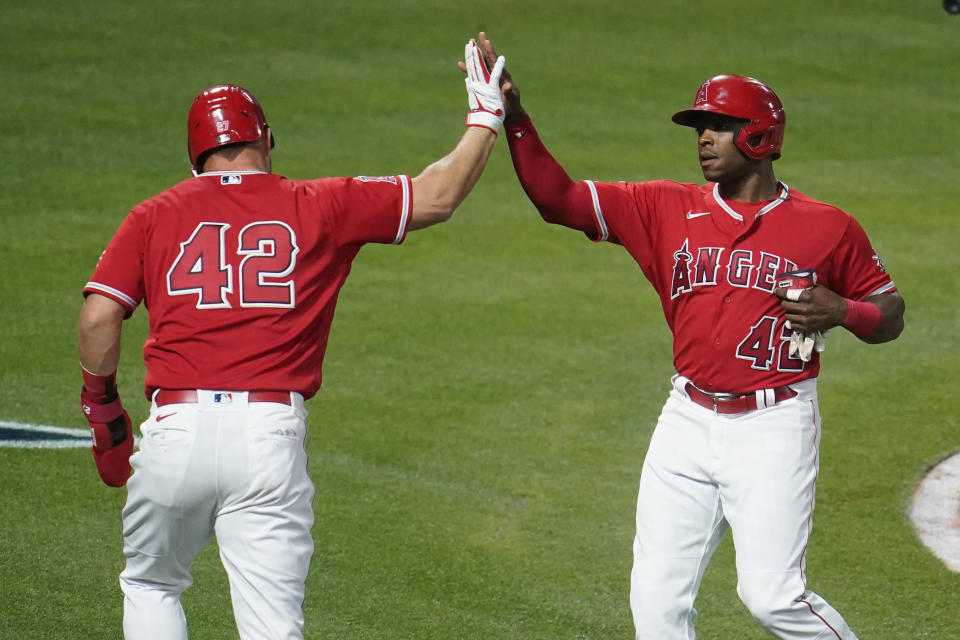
column 876, row 258
column 390, row 179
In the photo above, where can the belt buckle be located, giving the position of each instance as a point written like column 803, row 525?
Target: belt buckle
column 714, row 397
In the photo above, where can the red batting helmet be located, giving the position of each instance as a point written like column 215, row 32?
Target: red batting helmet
column 222, row 115
column 747, row 99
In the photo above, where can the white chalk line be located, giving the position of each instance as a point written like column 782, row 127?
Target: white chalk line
column 71, row 437
column 936, row 511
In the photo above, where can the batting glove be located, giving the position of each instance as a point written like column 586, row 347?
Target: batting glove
column 110, row 428
column 483, row 89
column 802, row 345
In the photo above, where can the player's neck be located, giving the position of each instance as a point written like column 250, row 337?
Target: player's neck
column 250, row 159
column 757, row 186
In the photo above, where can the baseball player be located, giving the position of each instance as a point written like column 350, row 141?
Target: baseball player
column 736, row 445
column 240, row 270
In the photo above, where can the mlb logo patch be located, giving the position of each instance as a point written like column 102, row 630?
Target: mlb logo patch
column 231, row 179
column 222, row 398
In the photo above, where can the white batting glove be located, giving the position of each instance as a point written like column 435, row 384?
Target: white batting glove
column 802, row 345
column 483, row 89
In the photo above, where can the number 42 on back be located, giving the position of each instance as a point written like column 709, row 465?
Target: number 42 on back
column 269, row 251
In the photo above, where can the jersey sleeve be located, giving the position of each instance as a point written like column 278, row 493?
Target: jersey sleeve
column 119, row 273
column 366, row 209
column 856, row 270
column 624, row 214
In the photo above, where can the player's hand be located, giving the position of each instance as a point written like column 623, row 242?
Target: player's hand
column 483, row 89
column 112, row 434
column 508, row 88
column 814, row 309
column 509, row 93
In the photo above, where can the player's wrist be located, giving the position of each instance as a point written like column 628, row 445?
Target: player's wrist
column 861, row 318
column 519, row 129
column 99, row 389
column 99, row 399
column 485, row 119
column 516, row 116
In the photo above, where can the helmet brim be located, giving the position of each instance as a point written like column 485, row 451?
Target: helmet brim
column 693, row 117
column 686, row 118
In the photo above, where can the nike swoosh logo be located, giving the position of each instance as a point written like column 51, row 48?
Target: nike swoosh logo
column 691, row 215
column 164, row 417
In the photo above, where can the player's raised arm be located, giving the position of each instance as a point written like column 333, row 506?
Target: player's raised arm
column 556, row 196
column 443, row 185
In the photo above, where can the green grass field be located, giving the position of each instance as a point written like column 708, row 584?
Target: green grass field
column 490, row 387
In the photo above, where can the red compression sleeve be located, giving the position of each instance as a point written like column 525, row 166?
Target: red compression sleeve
column 862, row 318
column 557, row 197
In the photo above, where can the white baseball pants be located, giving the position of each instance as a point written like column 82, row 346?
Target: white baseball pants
column 227, row 467
column 753, row 473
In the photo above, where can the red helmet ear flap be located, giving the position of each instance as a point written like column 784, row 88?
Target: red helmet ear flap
column 760, row 143
column 221, row 115
column 747, row 99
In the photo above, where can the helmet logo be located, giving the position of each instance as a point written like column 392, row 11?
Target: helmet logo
column 702, row 94
column 223, row 138
column 223, row 125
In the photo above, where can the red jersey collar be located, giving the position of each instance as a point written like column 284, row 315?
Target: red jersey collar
column 782, row 197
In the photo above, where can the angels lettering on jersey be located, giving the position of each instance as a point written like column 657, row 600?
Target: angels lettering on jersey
column 744, row 268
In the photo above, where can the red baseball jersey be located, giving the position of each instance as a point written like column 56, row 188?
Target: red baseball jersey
column 240, row 272
column 713, row 262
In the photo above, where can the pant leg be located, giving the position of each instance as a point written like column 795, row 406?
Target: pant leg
column 167, row 519
column 264, row 524
column 680, row 523
column 768, row 490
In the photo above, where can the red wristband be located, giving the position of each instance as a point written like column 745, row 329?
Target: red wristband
column 99, row 389
column 101, row 413
column 862, row 318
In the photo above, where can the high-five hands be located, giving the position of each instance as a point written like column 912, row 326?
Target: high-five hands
column 483, row 89
column 508, row 88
